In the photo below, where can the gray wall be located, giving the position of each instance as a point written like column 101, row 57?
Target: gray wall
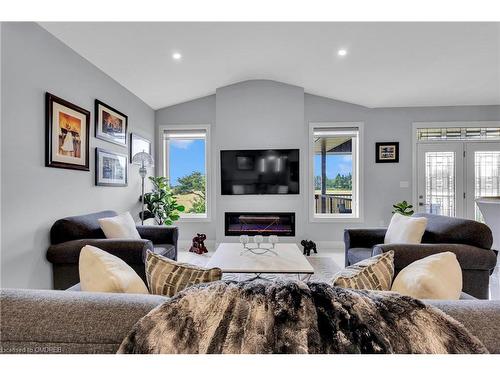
column 33, row 196
column 260, row 114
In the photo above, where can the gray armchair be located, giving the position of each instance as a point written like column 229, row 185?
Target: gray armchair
column 469, row 240
column 69, row 235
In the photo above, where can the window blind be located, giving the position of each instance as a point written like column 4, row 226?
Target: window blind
column 335, row 132
column 185, row 134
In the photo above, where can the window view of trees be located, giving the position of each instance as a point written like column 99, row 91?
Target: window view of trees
column 190, row 192
column 187, row 169
column 340, row 182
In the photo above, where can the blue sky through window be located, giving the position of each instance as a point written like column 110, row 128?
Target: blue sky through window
column 185, row 157
column 335, row 164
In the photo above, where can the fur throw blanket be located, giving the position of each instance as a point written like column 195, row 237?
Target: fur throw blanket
column 295, row 317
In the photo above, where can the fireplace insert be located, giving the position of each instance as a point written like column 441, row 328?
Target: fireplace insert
column 263, row 223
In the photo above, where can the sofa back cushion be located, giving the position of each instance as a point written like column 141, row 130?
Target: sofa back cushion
column 444, row 229
column 78, row 227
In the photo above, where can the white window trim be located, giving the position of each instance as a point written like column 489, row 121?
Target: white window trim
column 355, row 217
column 163, row 167
column 440, row 124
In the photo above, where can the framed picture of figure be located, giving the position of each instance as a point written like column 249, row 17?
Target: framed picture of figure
column 138, row 144
column 66, row 135
column 110, row 124
column 387, row 152
column 111, row 168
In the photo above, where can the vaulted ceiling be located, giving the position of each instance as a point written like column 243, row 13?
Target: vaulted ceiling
column 386, row 64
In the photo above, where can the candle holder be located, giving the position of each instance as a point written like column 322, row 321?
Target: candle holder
column 273, row 240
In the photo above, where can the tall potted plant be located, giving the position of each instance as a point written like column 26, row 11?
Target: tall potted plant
column 161, row 203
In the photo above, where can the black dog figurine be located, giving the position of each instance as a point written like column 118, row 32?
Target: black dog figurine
column 308, row 246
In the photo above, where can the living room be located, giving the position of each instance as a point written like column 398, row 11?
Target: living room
column 291, row 159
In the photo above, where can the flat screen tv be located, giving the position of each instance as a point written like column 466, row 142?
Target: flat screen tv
column 260, row 172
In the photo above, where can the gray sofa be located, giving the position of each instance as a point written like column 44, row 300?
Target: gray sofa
column 70, row 234
column 469, row 240
column 41, row 321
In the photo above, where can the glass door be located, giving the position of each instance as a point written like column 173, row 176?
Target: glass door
column 440, row 176
column 483, row 174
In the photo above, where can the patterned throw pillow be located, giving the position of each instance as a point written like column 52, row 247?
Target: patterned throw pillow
column 168, row 277
column 374, row 273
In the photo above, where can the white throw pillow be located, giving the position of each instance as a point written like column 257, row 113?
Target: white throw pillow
column 121, row 226
column 437, row 276
column 102, row 272
column 405, row 229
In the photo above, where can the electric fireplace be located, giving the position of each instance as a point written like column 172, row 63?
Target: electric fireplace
column 263, row 223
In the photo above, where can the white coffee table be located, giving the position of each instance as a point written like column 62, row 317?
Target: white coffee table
column 288, row 259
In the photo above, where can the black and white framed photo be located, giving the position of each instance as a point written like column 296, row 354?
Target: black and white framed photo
column 387, row 152
column 66, row 135
column 110, row 124
column 138, row 144
column 111, row 168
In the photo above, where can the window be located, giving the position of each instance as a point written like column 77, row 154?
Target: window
column 185, row 164
column 459, row 133
column 335, row 177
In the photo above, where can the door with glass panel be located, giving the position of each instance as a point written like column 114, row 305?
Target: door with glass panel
column 440, row 176
column 483, row 174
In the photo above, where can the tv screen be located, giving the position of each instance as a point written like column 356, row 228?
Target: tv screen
column 260, row 172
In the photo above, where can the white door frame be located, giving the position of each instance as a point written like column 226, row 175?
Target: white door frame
column 470, row 149
column 440, row 124
column 457, row 147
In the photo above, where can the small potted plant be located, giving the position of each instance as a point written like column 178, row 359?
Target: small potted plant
column 403, row 208
column 161, row 203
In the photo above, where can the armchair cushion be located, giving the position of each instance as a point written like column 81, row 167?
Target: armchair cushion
column 357, row 254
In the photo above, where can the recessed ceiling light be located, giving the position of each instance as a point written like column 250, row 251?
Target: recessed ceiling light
column 342, row 52
column 176, row 56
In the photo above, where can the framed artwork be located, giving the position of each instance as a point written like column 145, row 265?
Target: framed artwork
column 110, row 124
column 138, row 144
column 66, row 134
column 110, row 168
column 387, row 152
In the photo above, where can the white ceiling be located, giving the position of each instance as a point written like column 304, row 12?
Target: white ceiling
column 387, row 65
